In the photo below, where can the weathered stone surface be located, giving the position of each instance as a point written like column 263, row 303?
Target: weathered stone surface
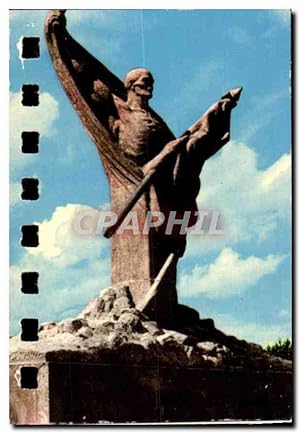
column 110, row 324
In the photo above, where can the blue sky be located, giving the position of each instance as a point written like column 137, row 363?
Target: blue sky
column 242, row 279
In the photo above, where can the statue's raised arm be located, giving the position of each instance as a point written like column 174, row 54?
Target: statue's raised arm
column 90, row 87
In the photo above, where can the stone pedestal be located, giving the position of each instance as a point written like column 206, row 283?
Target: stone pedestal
column 95, row 392
column 113, row 364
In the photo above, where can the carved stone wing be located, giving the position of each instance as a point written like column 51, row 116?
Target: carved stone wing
column 77, row 71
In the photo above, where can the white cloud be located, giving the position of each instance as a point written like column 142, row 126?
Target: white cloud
column 72, row 270
column 276, row 173
column 21, row 118
column 60, row 242
column 229, row 275
column 252, row 202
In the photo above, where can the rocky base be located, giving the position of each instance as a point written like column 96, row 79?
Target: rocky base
column 123, row 367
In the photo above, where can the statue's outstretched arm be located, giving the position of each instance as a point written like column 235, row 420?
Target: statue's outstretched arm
column 203, row 138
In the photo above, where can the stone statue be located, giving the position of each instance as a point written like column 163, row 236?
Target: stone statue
column 147, row 167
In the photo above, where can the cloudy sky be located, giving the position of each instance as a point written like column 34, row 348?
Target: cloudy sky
column 241, row 279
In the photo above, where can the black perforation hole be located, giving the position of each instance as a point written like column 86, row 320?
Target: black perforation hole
column 30, row 282
column 30, row 141
column 29, row 329
column 30, row 236
column 29, row 377
column 31, row 48
column 30, row 187
column 30, row 96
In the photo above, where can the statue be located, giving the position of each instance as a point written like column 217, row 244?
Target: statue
column 147, row 167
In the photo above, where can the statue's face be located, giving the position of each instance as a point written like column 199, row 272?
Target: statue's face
column 143, row 86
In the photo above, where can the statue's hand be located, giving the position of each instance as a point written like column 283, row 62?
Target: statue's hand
column 169, row 149
column 56, row 17
column 149, row 167
column 101, row 89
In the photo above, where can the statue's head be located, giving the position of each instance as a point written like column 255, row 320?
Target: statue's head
column 140, row 81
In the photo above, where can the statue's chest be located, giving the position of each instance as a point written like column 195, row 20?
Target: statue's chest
column 140, row 134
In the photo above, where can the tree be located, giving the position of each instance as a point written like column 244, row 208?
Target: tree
column 282, row 348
